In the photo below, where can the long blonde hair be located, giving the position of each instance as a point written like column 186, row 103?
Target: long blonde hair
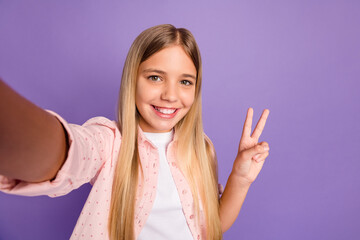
column 194, row 150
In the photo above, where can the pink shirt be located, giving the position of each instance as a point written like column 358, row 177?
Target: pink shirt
column 92, row 157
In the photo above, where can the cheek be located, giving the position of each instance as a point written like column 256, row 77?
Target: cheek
column 143, row 93
column 138, row 98
column 188, row 98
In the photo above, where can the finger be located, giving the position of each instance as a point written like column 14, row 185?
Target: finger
column 264, row 144
column 221, row 188
column 262, row 157
column 266, row 148
column 257, row 156
column 251, row 152
column 248, row 123
column 261, row 124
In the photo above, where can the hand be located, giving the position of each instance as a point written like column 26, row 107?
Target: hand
column 251, row 154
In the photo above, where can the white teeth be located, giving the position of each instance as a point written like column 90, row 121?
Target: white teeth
column 165, row 110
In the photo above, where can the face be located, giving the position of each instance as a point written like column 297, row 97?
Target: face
column 165, row 89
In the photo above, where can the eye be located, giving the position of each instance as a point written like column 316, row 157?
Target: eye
column 154, row 78
column 186, row 82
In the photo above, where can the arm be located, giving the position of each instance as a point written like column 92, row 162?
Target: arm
column 247, row 165
column 231, row 201
column 33, row 143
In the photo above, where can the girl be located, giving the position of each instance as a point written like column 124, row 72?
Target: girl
column 154, row 171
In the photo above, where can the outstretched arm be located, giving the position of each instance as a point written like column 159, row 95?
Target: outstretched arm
column 247, row 165
column 32, row 142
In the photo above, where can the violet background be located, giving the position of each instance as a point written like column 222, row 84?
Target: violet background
column 300, row 59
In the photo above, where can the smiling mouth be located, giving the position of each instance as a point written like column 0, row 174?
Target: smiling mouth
column 162, row 110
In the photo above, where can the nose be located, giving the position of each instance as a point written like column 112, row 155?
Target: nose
column 169, row 92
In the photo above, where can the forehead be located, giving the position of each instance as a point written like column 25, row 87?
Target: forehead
column 171, row 59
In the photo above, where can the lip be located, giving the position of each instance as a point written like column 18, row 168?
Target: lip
column 163, row 115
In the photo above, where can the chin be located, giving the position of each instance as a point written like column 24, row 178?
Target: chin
column 163, row 128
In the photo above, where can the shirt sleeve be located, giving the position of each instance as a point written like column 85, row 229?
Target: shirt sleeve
column 90, row 146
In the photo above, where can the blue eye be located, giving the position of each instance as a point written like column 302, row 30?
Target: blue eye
column 186, row 82
column 154, row 78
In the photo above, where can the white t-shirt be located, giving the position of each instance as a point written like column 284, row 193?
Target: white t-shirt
column 166, row 220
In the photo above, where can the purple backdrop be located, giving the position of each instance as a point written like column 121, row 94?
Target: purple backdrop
column 300, row 59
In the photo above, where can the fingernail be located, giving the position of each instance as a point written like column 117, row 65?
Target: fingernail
column 266, row 148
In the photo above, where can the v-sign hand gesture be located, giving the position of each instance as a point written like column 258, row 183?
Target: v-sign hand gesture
column 247, row 165
column 251, row 154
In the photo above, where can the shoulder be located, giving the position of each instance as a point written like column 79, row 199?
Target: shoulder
column 102, row 121
column 99, row 125
column 100, row 130
column 211, row 154
column 209, row 145
column 103, row 125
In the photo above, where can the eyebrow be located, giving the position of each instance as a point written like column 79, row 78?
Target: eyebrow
column 189, row 76
column 154, row 70
column 164, row 73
